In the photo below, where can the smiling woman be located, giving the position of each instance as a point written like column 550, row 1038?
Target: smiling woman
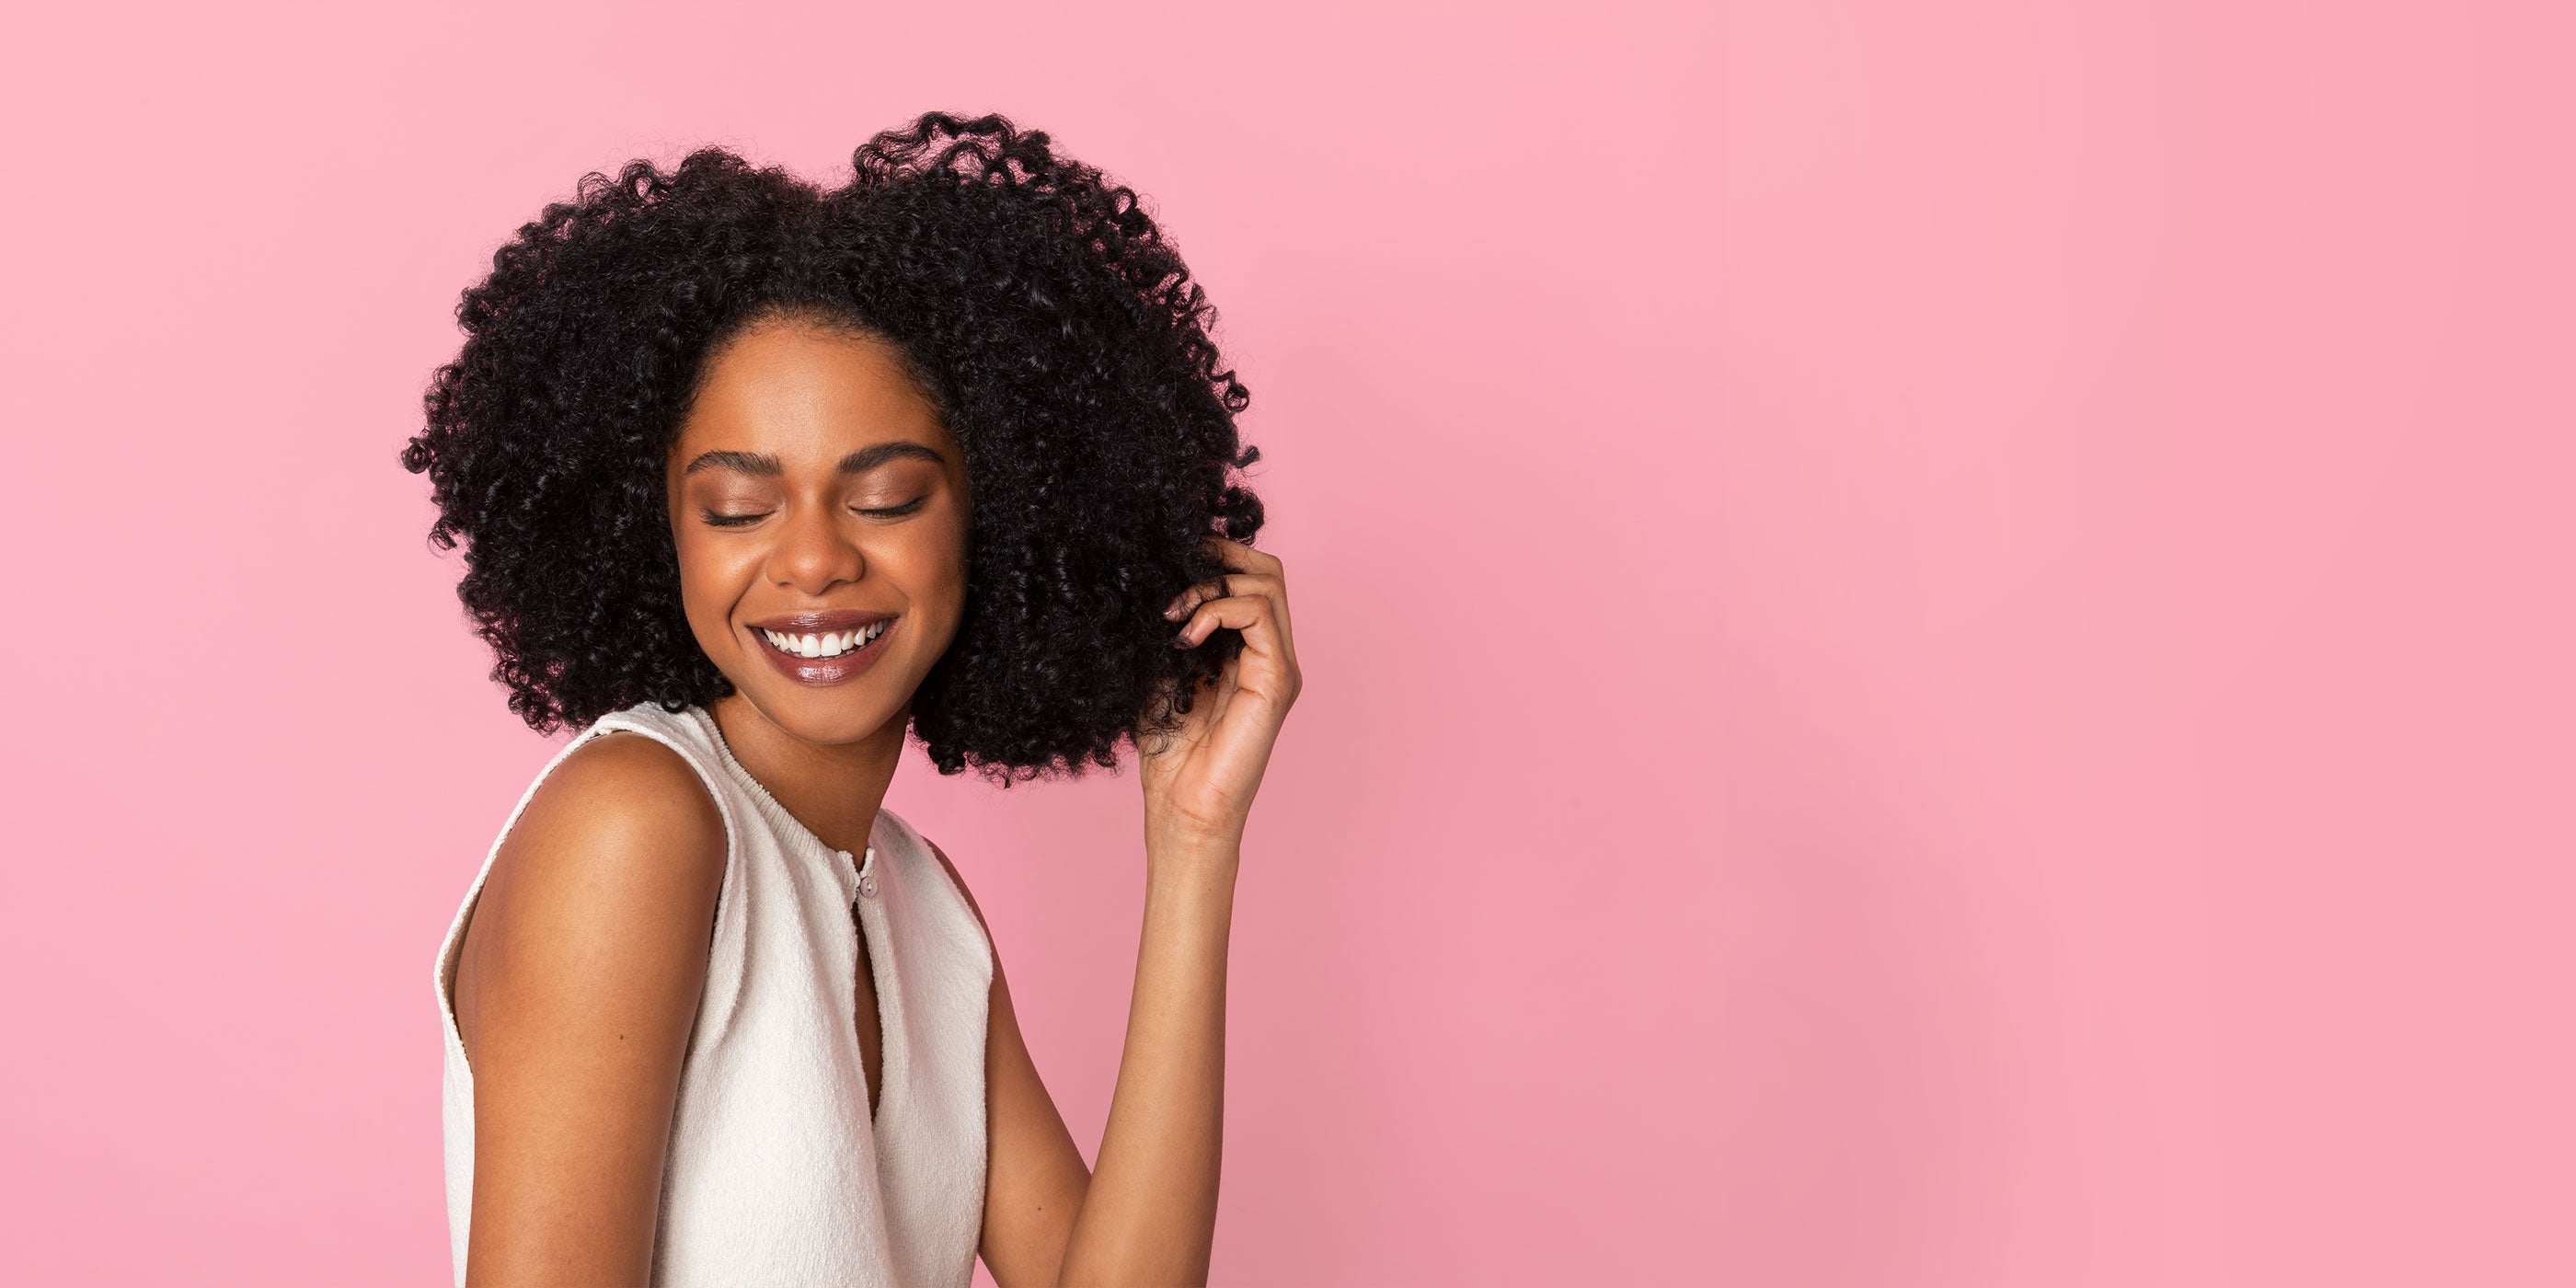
column 810, row 461
column 772, row 479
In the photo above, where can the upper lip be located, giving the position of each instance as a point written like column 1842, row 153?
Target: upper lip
column 820, row 623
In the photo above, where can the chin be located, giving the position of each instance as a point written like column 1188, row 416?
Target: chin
column 826, row 719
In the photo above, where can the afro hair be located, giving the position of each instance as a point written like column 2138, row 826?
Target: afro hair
column 1043, row 313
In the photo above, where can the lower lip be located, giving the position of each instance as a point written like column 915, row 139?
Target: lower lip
column 823, row 670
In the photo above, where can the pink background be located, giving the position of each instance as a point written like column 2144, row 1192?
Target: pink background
column 1937, row 636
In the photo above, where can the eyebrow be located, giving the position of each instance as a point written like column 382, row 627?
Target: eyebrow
column 858, row 462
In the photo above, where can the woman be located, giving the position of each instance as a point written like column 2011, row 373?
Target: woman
column 765, row 477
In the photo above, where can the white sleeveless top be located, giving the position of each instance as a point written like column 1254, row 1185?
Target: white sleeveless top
column 775, row 1175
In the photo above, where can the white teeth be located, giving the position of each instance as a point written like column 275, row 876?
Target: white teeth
column 822, row 645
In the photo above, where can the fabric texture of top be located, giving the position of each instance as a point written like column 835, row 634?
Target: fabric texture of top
column 775, row 1173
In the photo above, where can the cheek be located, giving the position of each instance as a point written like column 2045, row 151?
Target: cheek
column 931, row 565
column 711, row 576
column 952, row 564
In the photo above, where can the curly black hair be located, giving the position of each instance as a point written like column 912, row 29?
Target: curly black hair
column 1042, row 312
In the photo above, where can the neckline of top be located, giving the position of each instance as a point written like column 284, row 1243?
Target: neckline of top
column 778, row 813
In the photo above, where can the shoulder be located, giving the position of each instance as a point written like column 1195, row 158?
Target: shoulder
column 602, row 897
column 622, row 784
column 625, row 809
column 622, row 836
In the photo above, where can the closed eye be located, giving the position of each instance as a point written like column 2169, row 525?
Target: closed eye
column 720, row 520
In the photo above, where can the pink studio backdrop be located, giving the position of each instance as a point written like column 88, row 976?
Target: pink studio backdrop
column 1937, row 636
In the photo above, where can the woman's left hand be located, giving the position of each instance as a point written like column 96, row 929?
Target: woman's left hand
column 1199, row 785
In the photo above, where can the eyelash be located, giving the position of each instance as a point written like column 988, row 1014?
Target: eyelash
column 738, row 520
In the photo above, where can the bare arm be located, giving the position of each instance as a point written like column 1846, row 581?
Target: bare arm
column 1165, row 1117
column 1149, row 1217
column 576, row 990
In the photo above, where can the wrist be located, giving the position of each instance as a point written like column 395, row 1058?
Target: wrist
column 1186, row 849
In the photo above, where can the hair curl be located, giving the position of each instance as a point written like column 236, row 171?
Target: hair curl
column 1042, row 312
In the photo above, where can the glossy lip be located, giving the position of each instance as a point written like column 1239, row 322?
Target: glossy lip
column 822, row 670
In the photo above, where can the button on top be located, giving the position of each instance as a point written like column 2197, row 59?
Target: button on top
column 868, row 879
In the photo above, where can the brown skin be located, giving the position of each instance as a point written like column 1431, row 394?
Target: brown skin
column 583, row 961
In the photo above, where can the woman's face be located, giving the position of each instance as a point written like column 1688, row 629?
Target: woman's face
column 820, row 512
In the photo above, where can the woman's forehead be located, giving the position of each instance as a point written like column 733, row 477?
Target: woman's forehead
column 802, row 393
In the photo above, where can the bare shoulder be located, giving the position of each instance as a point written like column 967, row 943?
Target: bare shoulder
column 608, row 880
column 620, row 788
column 618, row 814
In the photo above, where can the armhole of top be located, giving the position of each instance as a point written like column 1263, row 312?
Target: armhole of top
column 453, row 949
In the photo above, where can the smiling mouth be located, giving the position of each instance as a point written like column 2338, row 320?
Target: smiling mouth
column 820, row 644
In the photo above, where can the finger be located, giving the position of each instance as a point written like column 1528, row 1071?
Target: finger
column 1271, row 665
column 1273, row 579
column 1243, row 586
column 1239, row 557
column 1237, row 583
column 1244, row 558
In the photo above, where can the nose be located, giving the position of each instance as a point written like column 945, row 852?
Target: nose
column 812, row 553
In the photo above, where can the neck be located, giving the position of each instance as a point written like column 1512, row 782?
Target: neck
column 834, row 789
